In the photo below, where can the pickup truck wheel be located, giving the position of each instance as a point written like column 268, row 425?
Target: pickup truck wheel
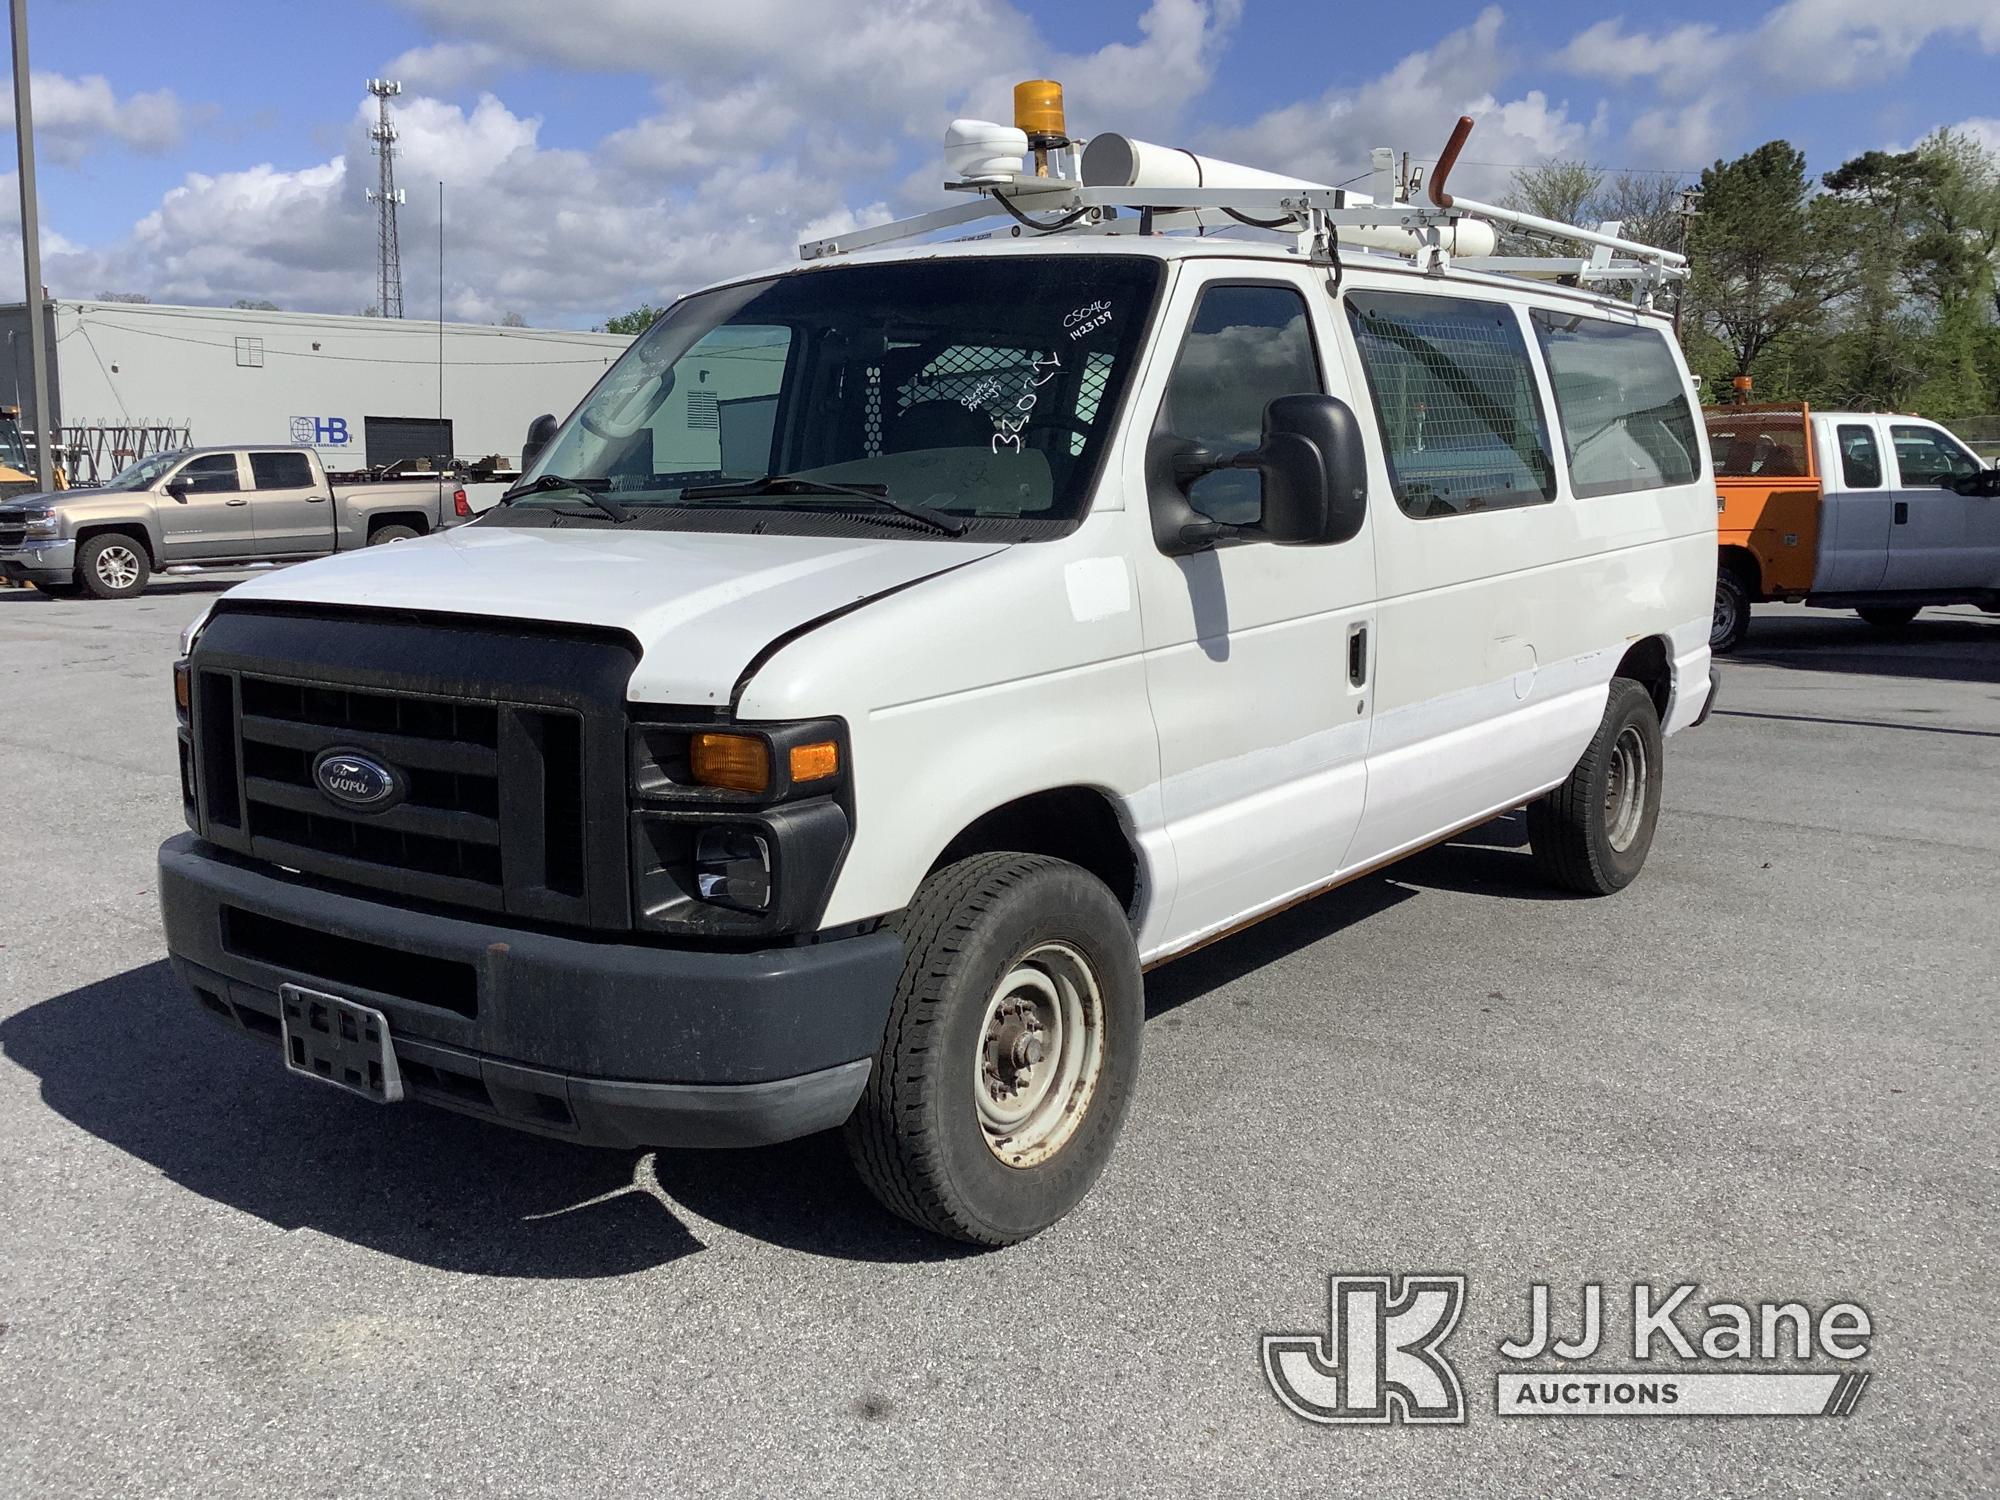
column 1888, row 616
column 1011, row 1050
column 1591, row 834
column 383, row 534
column 112, row 566
column 1732, row 613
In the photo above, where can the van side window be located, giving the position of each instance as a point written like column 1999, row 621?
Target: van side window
column 1860, row 459
column 1620, row 402
column 1247, row 346
column 280, row 471
column 1926, row 456
column 211, row 474
column 1454, row 392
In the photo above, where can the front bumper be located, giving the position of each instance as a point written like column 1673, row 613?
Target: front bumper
column 602, row 1042
column 39, row 561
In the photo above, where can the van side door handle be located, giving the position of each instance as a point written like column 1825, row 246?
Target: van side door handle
column 1357, row 655
column 1902, row 512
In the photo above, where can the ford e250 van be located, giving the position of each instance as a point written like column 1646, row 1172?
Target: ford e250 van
column 900, row 652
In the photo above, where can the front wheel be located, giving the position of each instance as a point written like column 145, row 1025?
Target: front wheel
column 1888, row 616
column 1011, row 1049
column 112, row 565
column 1591, row 834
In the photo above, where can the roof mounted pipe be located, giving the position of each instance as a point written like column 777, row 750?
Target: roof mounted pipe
column 1448, row 160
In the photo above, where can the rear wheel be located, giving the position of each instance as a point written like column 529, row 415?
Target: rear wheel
column 1591, row 834
column 1732, row 613
column 1010, row 1053
column 1888, row 616
column 112, row 565
column 383, row 534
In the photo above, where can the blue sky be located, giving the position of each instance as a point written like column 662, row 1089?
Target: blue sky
column 607, row 151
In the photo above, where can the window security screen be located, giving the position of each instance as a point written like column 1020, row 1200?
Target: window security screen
column 1454, row 392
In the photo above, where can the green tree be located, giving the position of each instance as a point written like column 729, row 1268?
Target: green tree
column 635, row 322
column 1764, row 262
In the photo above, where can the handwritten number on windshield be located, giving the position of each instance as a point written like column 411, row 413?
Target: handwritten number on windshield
column 1009, row 434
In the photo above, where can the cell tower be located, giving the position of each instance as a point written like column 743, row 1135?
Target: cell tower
column 386, row 197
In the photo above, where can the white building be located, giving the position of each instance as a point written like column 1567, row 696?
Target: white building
column 361, row 390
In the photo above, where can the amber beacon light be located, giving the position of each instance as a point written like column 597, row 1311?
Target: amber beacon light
column 1038, row 110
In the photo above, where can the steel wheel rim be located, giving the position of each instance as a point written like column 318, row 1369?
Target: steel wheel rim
column 1724, row 623
column 1625, row 788
column 1039, row 1056
column 118, row 567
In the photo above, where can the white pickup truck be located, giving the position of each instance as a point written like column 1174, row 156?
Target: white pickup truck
column 896, row 654
column 207, row 508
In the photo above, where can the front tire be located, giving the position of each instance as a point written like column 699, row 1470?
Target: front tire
column 1888, row 616
column 1732, row 613
column 1011, row 1050
column 112, row 565
column 1591, row 834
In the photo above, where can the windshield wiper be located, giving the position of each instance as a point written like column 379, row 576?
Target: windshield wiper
column 801, row 484
column 590, row 489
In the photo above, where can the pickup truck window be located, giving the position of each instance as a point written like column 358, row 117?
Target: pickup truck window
column 985, row 389
column 1926, row 456
column 211, row 474
column 1455, row 395
column 1246, row 346
column 280, row 471
column 1860, row 459
column 143, row 474
column 1758, row 445
column 1621, row 404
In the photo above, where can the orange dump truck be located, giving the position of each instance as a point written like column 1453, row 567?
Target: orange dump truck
column 1848, row 510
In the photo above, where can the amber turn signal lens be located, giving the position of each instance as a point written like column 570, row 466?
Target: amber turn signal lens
column 815, row 762
column 181, row 688
column 737, row 762
column 1038, row 108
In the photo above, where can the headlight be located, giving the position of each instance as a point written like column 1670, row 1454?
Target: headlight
column 736, row 831
column 181, row 692
column 194, row 628
column 43, row 523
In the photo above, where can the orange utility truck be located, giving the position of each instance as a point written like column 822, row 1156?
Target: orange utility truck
column 1848, row 510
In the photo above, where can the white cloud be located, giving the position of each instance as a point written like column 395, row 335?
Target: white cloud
column 447, row 67
column 1984, row 129
column 1411, row 107
column 76, row 116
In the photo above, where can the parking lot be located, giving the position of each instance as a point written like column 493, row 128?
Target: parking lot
column 1766, row 1068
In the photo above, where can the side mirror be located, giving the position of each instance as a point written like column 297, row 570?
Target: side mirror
column 1983, row 485
column 539, row 432
column 1314, row 467
column 180, row 489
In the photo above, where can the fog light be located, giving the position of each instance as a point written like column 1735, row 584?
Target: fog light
column 732, row 867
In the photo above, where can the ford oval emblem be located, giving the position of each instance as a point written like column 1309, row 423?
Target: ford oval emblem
column 357, row 781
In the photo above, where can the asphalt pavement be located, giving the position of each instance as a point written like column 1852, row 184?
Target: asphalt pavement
column 1766, row 1068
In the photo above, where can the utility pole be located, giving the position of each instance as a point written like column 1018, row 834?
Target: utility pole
column 31, row 252
column 385, row 196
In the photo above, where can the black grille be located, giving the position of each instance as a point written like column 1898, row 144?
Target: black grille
column 508, row 747
column 12, row 536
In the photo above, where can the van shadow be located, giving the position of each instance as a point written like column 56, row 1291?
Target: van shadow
column 1943, row 646
column 133, row 1061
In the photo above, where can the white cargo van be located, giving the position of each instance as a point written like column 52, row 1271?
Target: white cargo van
column 899, row 652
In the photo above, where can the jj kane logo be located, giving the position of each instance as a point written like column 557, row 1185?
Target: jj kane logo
column 1379, row 1361
column 1382, row 1359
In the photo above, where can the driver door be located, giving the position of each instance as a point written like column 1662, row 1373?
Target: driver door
column 1257, row 656
column 211, row 517
column 1931, row 545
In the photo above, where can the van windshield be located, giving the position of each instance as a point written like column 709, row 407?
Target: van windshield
column 985, row 390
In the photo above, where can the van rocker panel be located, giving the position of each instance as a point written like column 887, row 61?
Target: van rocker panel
column 695, row 1047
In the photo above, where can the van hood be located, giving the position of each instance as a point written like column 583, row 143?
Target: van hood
column 700, row 605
